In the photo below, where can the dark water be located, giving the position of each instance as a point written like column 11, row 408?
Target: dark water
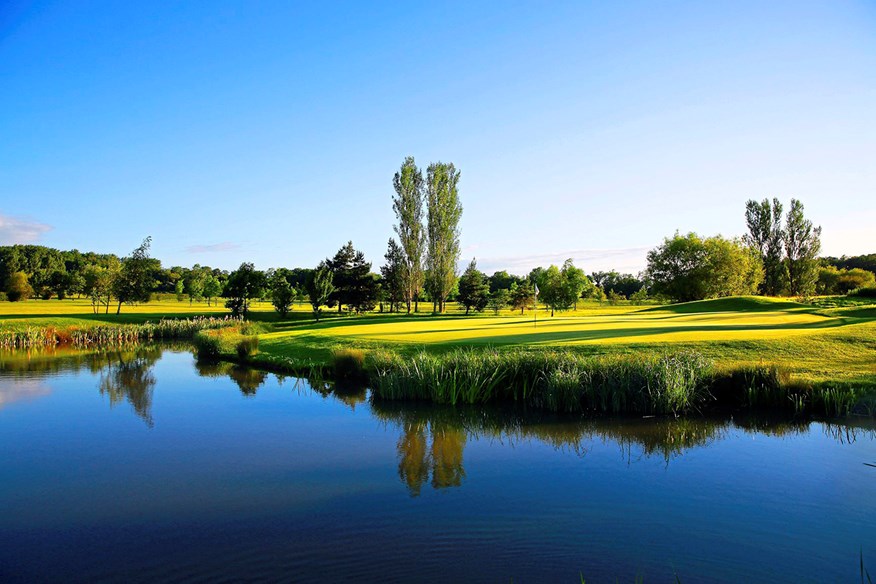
column 143, row 467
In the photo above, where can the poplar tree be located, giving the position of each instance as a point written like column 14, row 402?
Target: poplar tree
column 408, row 207
column 765, row 235
column 802, row 245
column 444, row 212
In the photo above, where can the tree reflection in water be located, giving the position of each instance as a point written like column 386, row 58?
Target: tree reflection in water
column 443, row 460
column 127, row 376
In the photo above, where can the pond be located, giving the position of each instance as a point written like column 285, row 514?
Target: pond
column 143, row 465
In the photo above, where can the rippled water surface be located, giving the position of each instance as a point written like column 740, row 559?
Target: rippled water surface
column 145, row 466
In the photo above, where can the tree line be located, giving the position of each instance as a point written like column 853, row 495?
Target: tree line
column 777, row 256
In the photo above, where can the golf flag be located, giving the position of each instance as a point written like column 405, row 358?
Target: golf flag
column 536, row 290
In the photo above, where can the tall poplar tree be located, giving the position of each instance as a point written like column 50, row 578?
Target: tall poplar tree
column 444, row 212
column 408, row 207
column 802, row 245
column 765, row 234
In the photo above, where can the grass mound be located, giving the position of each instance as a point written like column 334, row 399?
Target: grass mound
column 730, row 304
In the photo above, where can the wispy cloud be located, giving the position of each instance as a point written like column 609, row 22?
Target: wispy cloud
column 213, row 247
column 628, row 259
column 20, row 230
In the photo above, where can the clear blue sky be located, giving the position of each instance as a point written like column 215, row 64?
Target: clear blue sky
column 270, row 131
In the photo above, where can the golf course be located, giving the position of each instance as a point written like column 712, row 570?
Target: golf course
column 825, row 342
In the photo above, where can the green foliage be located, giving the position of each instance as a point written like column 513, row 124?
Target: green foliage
column 640, row 296
column 348, row 365
column 282, row 293
column 474, row 289
column 522, row 296
column 395, row 279
column 319, row 288
column 689, row 268
column 225, row 342
column 560, row 289
column 499, row 299
column 624, row 284
column 354, row 284
column 832, row 280
column 136, row 278
column 408, row 207
column 179, row 289
column 244, row 284
column 18, row 287
column 869, row 292
column 765, row 236
column 802, row 245
column 444, row 212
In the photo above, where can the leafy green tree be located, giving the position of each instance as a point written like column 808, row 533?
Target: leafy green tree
column 499, row 299
column 243, row 285
column 765, row 235
column 212, row 287
column 802, row 245
column 689, row 268
column 61, row 283
column 503, row 281
column 522, row 296
column 734, row 269
column 18, row 288
column 640, row 296
column 136, row 278
column 408, row 207
column 179, row 290
column 444, row 212
column 194, row 284
column 99, row 285
column 474, row 289
column 614, row 298
column 577, row 283
column 354, row 284
column 834, row 281
column 679, row 269
column 319, row 288
column 623, row 284
column 282, row 293
column 553, row 291
column 395, row 283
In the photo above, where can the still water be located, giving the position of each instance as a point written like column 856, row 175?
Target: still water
column 145, row 466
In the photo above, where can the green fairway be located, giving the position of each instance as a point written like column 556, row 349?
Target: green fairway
column 816, row 343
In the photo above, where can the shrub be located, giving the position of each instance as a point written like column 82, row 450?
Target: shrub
column 349, row 365
column 868, row 292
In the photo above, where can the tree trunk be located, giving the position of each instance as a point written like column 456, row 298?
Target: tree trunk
column 552, row 312
column 119, row 308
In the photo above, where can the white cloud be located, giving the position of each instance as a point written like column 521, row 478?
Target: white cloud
column 628, row 259
column 213, row 247
column 19, row 230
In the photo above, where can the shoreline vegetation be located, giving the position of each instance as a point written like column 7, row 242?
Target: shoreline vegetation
column 668, row 378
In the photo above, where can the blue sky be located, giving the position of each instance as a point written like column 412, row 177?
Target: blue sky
column 270, row 132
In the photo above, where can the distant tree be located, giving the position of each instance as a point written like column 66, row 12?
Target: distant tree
column 802, row 245
column 395, row 283
column 18, row 287
column 614, row 298
column 135, row 280
column 679, row 269
column 834, row 281
column 598, row 294
column 193, row 284
column 244, row 284
column 734, row 269
column 60, row 283
column 577, row 283
column 319, row 288
column 765, row 235
column 444, row 212
column 689, row 268
column 640, row 296
column 863, row 262
column 474, row 290
column 408, row 207
column 282, row 293
column 623, row 284
column 503, row 281
column 499, row 300
column 553, row 291
column 99, row 285
column 354, row 284
column 212, row 287
column 522, row 296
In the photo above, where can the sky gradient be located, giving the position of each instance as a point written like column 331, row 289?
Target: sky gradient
column 269, row 132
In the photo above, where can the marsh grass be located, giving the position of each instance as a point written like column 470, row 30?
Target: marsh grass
column 558, row 381
column 238, row 339
column 109, row 334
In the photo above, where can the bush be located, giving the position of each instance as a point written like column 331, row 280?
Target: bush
column 868, row 292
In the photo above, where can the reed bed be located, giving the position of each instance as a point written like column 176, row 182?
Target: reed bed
column 565, row 381
column 111, row 335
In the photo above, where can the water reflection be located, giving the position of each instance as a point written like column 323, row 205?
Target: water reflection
column 128, row 377
column 430, row 449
